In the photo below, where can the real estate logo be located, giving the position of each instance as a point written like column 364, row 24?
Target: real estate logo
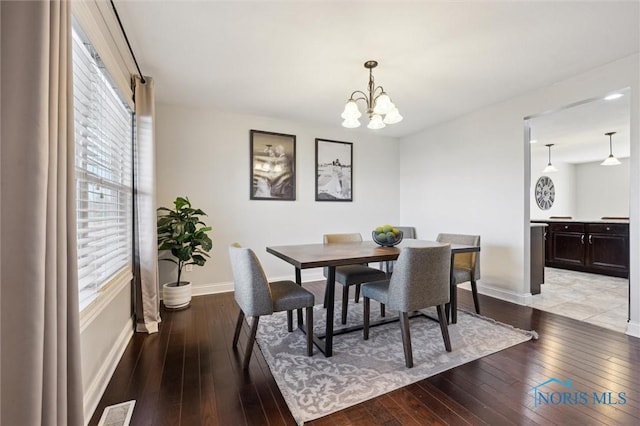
column 557, row 392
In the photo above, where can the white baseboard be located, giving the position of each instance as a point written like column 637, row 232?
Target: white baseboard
column 633, row 328
column 225, row 287
column 213, row 288
column 101, row 380
column 502, row 294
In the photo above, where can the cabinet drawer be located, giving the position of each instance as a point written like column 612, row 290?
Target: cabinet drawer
column 567, row 227
column 608, row 228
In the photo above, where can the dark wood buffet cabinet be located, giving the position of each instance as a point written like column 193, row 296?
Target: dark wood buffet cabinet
column 596, row 247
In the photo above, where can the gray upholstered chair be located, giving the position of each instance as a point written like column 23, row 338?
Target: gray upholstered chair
column 407, row 231
column 466, row 267
column 256, row 297
column 349, row 275
column 420, row 280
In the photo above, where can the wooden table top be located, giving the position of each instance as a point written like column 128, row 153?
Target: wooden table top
column 304, row 256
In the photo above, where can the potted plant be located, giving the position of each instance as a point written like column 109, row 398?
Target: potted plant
column 184, row 235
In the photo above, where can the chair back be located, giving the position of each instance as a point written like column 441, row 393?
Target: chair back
column 342, row 238
column 468, row 261
column 251, row 288
column 420, row 278
column 407, row 231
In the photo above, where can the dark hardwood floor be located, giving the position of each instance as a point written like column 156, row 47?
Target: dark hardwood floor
column 188, row 374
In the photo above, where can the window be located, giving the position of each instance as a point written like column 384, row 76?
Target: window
column 103, row 154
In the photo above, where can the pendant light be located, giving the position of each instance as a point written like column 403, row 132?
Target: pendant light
column 610, row 160
column 549, row 168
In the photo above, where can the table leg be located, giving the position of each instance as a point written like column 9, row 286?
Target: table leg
column 331, row 284
column 453, row 296
column 299, row 282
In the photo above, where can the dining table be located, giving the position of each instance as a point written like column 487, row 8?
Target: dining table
column 306, row 256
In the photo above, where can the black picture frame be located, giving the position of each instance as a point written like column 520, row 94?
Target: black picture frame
column 273, row 166
column 334, row 170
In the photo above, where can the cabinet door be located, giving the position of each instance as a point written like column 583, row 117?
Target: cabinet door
column 568, row 248
column 609, row 252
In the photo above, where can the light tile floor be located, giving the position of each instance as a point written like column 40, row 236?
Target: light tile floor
column 596, row 299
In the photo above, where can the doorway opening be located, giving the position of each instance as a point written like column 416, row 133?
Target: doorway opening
column 579, row 196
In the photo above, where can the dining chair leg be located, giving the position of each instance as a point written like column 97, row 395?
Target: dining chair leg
column 442, row 319
column 447, row 311
column 345, row 303
column 366, row 303
column 474, row 292
column 454, row 304
column 236, row 334
column 309, row 312
column 251, row 342
column 383, row 311
column 289, row 321
column 357, row 298
column 406, row 339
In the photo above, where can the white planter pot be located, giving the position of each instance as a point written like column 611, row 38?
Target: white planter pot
column 176, row 297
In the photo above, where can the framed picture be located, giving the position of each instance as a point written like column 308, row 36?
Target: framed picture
column 334, row 170
column 273, row 166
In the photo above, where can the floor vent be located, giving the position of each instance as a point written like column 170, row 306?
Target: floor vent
column 117, row 415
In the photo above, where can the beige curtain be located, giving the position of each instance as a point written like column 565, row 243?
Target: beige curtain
column 40, row 354
column 146, row 283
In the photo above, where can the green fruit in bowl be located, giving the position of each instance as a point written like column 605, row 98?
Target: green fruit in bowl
column 396, row 231
column 391, row 237
column 387, row 228
column 381, row 237
column 379, row 229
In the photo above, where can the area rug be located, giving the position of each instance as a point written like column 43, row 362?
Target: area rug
column 359, row 370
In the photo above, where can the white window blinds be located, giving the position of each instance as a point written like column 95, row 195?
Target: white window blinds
column 103, row 152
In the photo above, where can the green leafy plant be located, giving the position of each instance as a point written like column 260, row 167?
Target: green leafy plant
column 181, row 232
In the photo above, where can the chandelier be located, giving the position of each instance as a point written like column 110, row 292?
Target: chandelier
column 380, row 109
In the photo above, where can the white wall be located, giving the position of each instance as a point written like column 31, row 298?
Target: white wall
column 465, row 176
column 105, row 329
column 204, row 154
column 472, row 175
column 602, row 190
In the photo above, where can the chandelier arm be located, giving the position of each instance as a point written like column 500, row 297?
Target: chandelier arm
column 375, row 90
column 363, row 97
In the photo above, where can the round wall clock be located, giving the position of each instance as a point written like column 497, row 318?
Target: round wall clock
column 545, row 193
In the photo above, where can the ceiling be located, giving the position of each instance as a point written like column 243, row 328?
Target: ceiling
column 300, row 60
column 578, row 131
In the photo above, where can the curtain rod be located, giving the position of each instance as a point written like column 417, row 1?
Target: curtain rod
column 115, row 11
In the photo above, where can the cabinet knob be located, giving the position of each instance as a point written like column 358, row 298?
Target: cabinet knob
column 590, row 242
column 608, row 228
column 566, row 227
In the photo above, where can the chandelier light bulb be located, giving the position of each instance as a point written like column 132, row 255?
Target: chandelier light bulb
column 376, row 122
column 351, row 123
column 383, row 104
column 392, row 117
column 351, row 111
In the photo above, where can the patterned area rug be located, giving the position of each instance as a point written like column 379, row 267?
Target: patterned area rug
column 359, row 370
